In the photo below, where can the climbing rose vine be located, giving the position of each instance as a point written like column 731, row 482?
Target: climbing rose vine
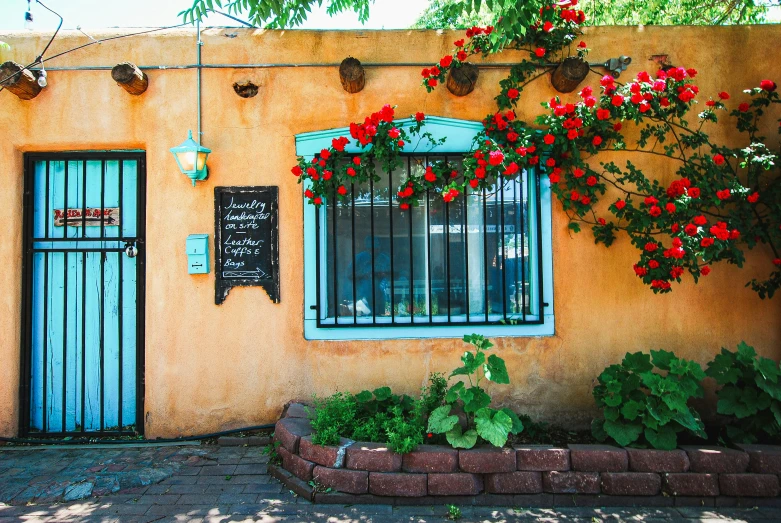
column 714, row 202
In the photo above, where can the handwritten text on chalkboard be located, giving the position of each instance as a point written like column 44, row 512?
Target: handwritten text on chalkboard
column 246, row 239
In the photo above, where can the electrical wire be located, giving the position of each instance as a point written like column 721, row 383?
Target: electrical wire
column 41, row 60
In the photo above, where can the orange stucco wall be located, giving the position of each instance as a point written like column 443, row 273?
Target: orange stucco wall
column 214, row 367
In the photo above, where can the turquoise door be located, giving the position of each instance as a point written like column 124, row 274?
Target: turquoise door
column 83, row 337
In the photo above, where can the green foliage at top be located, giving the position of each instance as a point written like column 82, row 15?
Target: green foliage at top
column 275, row 14
column 642, row 407
column 750, row 393
column 492, row 425
column 451, row 14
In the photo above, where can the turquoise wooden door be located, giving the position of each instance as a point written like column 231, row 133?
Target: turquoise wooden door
column 83, row 343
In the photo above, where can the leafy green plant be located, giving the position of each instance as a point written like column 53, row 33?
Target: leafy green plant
column 453, row 513
column 271, row 451
column 492, row 425
column 750, row 393
column 642, row 406
column 332, row 417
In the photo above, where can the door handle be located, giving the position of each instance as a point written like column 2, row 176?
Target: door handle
column 131, row 251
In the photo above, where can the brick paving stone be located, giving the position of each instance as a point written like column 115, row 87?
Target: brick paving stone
column 652, row 460
column 519, row 482
column 487, row 460
column 289, row 431
column 196, row 499
column 268, row 488
column 691, row 484
column 748, row 485
column 254, row 470
column 397, row 484
column 631, row 483
column 598, row 458
column 431, row 458
column 237, row 499
column 454, row 484
column 343, row 480
column 218, row 470
column 374, row 457
column 542, row 458
column 763, row 459
column 717, row 460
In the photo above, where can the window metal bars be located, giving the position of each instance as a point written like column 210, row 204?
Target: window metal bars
column 527, row 206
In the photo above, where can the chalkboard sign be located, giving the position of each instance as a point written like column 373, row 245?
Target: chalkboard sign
column 246, row 239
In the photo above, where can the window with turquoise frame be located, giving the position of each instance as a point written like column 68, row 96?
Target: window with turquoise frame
column 481, row 263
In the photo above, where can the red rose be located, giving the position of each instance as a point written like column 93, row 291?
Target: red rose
column 650, row 200
column 357, row 160
column 342, row 190
column 723, row 195
column 640, row 271
column 591, row 181
column 547, row 27
column 446, row 61
column 620, row 204
column 549, row 139
column 339, row 143
column 434, row 71
column 321, row 163
column 325, row 154
column 743, row 107
column 718, row 159
column 578, row 172
column 459, row 43
column 691, row 72
column 693, row 192
column 296, row 171
column 655, row 211
column 350, row 171
column 461, row 55
column 601, row 221
column 308, row 193
column 777, row 262
column 706, row 242
column 590, row 101
column 394, row 133
column 753, row 197
column 690, row 229
column 700, row 220
column 550, row 162
column 425, row 73
column 495, row 157
column 317, row 201
column 554, row 177
column 724, row 95
column 585, row 200
column 540, row 52
column 603, row 114
column 597, row 141
column 327, row 175
column 582, row 45
column 653, row 264
column 513, row 94
column 404, row 206
column 432, row 82
column 705, row 271
column 767, row 85
column 419, row 116
column 670, row 207
column 572, row 134
column 400, row 143
column 664, row 102
column 617, row 100
column 311, row 171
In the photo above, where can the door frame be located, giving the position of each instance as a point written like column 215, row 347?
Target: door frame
column 28, row 211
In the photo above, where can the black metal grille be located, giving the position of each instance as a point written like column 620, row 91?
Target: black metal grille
column 475, row 261
column 82, row 349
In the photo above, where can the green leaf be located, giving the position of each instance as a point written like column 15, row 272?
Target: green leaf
column 452, row 394
column 638, row 362
column 441, row 421
column 517, row 423
column 363, row 396
column 474, row 399
column 768, row 368
column 732, row 402
column 662, row 358
column 665, row 438
column 723, row 368
column 690, row 420
column 613, row 400
column 472, row 362
column 632, row 409
column 382, row 394
column 495, row 370
column 493, row 426
column 775, row 408
column 459, row 440
column 623, row 433
column 746, row 353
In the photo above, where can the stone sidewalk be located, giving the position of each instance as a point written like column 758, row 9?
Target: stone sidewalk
column 216, row 484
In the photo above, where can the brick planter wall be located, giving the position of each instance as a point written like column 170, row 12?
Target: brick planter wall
column 525, row 475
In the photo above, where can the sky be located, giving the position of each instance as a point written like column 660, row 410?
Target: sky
column 97, row 14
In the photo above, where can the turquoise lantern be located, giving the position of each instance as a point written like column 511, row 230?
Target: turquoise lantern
column 191, row 158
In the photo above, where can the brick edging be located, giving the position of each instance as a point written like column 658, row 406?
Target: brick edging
column 525, row 475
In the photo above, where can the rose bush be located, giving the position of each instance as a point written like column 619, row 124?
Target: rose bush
column 723, row 199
